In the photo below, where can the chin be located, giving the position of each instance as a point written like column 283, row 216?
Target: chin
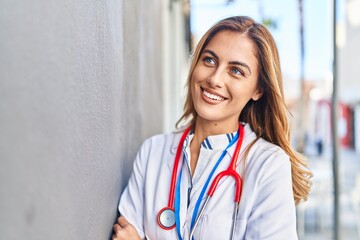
column 210, row 116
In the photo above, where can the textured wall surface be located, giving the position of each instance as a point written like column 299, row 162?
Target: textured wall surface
column 80, row 88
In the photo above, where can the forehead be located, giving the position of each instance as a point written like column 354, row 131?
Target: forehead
column 233, row 46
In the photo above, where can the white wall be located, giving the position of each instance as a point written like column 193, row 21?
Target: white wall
column 80, row 88
column 348, row 62
column 175, row 61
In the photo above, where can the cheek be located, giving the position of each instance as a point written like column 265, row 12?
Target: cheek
column 195, row 80
column 242, row 96
column 195, row 76
column 246, row 90
column 199, row 74
column 192, row 86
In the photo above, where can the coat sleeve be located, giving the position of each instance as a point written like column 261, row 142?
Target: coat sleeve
column 131, row 204
column 273, row 215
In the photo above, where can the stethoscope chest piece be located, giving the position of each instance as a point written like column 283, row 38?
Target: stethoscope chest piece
column 166, row 218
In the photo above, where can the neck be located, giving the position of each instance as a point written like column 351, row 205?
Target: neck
column 204, row 128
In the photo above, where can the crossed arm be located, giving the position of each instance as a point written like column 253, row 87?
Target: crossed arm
column 123, row 230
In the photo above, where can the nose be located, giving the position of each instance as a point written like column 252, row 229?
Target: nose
column 216, row 79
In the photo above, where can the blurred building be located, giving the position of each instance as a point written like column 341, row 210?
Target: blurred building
column 349, row 74
column 319, row 92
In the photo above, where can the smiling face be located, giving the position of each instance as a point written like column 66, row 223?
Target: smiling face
column 225, row 78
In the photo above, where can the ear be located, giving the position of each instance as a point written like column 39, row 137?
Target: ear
column 257, row 94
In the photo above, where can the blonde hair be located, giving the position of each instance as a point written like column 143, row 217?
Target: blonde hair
column 266, row 116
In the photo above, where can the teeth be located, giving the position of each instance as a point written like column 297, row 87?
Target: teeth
column 213, row 96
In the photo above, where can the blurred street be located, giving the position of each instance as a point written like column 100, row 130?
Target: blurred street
column 323, row 32
column 315, row 217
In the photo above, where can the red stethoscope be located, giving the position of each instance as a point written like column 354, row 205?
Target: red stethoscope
column 166, row 216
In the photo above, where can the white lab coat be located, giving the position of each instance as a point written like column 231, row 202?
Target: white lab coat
column 267, row 208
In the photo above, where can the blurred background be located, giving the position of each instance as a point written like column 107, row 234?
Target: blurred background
column 304, row 33
column 83, row 83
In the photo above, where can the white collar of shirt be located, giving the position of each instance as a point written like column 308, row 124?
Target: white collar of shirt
column 221, row 141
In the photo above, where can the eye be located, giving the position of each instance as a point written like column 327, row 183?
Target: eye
column 209, row 61
column 237, row 71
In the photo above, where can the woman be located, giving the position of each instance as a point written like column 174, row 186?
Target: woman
column 234, row 107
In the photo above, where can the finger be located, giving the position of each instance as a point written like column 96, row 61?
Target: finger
column 117, row 228
column 122, row 221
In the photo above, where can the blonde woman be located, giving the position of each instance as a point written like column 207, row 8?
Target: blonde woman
column 231, row 172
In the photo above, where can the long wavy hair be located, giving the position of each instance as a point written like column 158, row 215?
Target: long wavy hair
column 268, row 115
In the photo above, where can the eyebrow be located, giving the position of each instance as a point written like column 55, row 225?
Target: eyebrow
column 231, row 62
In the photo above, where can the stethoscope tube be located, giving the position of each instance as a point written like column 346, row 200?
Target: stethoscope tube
column 230, row 171
column 166, row 216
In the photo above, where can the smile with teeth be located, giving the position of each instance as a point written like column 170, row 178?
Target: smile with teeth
column 213, row 96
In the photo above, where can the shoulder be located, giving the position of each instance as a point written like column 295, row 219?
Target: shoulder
column 266, row 154
column 267, row 149
column 161, row 141
column 155, row 152
column 269, row 164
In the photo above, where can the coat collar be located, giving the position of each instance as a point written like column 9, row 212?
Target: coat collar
column 249, row 136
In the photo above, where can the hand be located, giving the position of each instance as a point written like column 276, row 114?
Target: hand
column 123, row 230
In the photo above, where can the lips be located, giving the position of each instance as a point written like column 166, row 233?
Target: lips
column 212, row 95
